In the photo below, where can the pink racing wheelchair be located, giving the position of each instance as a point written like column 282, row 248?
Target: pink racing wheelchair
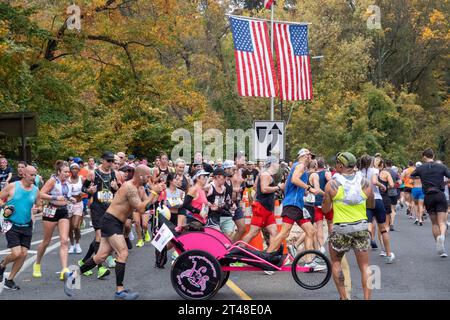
column 206, row 258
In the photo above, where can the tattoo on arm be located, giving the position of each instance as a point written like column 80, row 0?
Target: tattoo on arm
column 133, row 197
column 334, row 185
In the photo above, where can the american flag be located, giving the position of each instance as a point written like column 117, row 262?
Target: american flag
column 294, row 68
column 268, row 3
column 254, row 62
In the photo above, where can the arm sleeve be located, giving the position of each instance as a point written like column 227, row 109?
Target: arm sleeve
column 187, row 204
column 86, row 185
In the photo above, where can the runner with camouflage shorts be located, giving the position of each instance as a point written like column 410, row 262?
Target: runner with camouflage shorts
column 348, row 194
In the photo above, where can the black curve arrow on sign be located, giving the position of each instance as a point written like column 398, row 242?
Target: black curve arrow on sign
column 274, row 132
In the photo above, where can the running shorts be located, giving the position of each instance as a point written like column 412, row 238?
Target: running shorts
column 293, row 214
column 227, row 225
column 261, row 216
column 387, row 204
column 76, row 209
column 61, row 213
column 435, row 202
column 394, row 200
column 379, row 212
column 19, row 236
column 417, row 194
column 238, row 214
column 110, row 226
column 359, row 240
column 97, row 212
column 319, row 215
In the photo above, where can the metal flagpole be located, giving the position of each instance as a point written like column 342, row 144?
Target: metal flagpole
column 272, row 114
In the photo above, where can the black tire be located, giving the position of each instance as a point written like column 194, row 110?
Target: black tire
column 325, row 274
column 196, row 275
column 225, row 276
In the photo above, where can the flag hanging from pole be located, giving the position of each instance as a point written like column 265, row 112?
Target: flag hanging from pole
column 254, row 61
column 293, row 61
column 268, row 3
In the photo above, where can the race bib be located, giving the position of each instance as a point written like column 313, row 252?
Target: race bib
column 6, row 226
column 306, row 214
column 310, row 198
column 174, row 202
column 105, row 196
column 2, row 184
column 49, row 211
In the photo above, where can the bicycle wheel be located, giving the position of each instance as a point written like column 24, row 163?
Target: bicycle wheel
column 311, row 269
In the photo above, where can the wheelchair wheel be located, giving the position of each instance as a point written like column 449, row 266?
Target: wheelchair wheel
column 311, row 269
column 226, row 275
column 196, row 275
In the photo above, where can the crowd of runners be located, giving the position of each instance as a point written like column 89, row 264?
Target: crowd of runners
column 348, row 204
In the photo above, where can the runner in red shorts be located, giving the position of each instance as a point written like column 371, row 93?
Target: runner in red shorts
column 264, row 204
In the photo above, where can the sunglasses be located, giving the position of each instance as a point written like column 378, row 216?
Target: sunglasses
column 109, row 160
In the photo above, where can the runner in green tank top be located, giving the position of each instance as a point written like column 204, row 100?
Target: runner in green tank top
column 348, row 193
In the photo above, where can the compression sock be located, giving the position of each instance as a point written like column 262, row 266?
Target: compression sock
column 88, row 265
column 120, row 273
column 90, row 251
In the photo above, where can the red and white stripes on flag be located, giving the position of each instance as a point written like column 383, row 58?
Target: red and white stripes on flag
column 254, row 60
column 293, row 60
column 268, row 3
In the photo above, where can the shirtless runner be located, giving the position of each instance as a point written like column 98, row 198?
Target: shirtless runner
column 127, row 200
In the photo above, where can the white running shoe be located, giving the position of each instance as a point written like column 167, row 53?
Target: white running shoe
column 78, row 249
column 72, row 249
column 390, row 259
column 444, row 255
column 269, row 273
column 440, row 244
column 383, row 253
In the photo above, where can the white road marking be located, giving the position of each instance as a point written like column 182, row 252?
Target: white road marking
column 32, row 259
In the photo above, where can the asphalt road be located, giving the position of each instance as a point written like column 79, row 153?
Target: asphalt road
column 418, row 273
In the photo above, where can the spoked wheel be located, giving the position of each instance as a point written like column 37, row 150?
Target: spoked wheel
column 196, row 275
column 311, row 269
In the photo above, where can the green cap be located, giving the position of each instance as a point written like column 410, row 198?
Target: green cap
column 347, row 159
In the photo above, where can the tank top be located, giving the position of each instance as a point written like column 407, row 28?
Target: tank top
column 349, row 203
column 217, row 198
column 368, row 173
column 60, row 189
column 310, row 199
column 163, row 174
column 200, row 201
column 174, row 199
column 294, row 194
column 75, row 188
column 386, row 184
column 407, row 179
column 322, row 184
column 267, row 200
column 22, row 201
column 184, row 184
column 103, row 183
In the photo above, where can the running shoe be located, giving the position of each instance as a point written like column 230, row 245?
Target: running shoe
column 2, row 271
column 140, row 243
column 416, row 221
column 147, row 238
column 420, row 224
column 62, row 275
column 10, row 285
column 87, row 273
column 72, row 249
column 383, row 253
column 238, row 264
column 440, row 244
column 315, row 266
column 390, row 259
column 391, row 227
column 111, row 262
column 292, row 250
column 373, row 244
column 78, row 249
column 269, row 273
column 444, row 255
column 126, row 295
column 102, row 272
column 37, row 270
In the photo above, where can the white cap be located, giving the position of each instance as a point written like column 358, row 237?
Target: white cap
column 200, row 173
column 418, row 164
column 227, row 164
